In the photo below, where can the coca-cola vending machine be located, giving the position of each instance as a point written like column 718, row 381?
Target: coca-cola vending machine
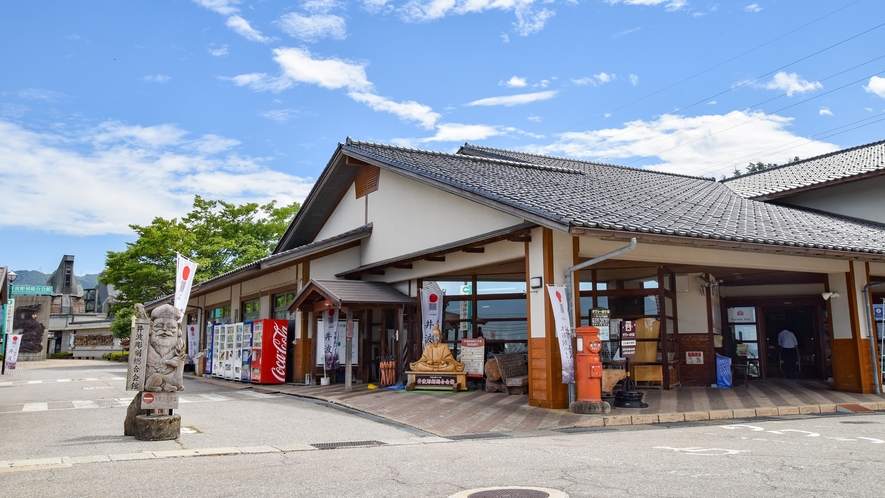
column 269, row 339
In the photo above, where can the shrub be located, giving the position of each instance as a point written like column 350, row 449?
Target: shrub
column 65, row 354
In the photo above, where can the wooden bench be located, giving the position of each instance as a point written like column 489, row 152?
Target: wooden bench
column 514, row 371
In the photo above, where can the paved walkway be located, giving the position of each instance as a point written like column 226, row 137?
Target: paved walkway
column 478, row 412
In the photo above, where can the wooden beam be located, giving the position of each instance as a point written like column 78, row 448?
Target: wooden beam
column 352, row 161
column 475, row 250
column 403, row 266
column 376, row 272
column 520, row 238
column 437, row 259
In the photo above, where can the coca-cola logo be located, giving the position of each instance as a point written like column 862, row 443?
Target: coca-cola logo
column 279, row 345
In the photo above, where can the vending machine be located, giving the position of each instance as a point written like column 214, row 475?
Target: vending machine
column 229, row 333
column 218, row 350
column 269, row 338
column 209, row 348
column 246, row 353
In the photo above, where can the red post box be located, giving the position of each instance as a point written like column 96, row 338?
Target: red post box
column 588, row 365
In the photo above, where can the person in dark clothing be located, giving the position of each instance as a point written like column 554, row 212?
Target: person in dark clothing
column 789, row 353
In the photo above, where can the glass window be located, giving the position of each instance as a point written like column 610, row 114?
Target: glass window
column 251, row 310
column 281, row 304
column 501, row 308
column 220, row 314
column 500, row 287
column 505, row 330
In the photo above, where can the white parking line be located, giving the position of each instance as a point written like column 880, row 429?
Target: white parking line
column 35, row 407
column 35, row 382
column 63, row 380
column 214, row 397
column 3, row 384
column 87, row 403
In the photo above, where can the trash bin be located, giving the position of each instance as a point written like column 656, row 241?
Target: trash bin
column 723, row 371
column 200, row 364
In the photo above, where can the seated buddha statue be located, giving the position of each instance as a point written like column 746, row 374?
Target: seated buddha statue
column 437, row 357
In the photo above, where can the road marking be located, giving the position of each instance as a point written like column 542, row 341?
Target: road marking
column 124, row 401
column 4, row 384
column 214, row 397
column 63, row 380
column 695, row 450
column 35, row 407
column 875, row 441
column 35, row 382
column 86, row 403
column 259, row 395
column 90, row 378
column 118, row 378
column 809, row 434
column 754, row 428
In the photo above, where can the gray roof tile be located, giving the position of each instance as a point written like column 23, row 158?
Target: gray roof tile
column 592, row 195
column 815, row 172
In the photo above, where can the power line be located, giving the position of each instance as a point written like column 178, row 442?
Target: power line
column 713, row 67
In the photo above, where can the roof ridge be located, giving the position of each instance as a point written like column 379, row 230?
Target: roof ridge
column 512, row 162
column 806, row 160
column 595, row 163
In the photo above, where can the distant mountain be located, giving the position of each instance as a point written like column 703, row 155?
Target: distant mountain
column 34, row 277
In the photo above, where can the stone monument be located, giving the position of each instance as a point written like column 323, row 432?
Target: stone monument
column 156, row 365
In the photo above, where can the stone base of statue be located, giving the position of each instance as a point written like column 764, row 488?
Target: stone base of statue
column 589, row 407
column 150, row 425
column 157, row 427
column 442, row 381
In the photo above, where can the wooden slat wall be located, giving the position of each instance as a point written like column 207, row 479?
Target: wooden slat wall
column 696, row 375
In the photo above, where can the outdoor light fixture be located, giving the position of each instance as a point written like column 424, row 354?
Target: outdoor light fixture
column 828, row 295
column 536, row 282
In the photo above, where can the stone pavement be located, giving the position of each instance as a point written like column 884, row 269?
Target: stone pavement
column 475, row 412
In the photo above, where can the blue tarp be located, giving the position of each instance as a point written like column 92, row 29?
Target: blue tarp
column 723, row 371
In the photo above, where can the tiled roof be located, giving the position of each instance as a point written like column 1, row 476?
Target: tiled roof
column 567, row 193
column 350, row 293
column 815, row 172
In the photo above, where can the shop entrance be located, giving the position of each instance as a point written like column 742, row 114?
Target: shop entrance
column 804, row 322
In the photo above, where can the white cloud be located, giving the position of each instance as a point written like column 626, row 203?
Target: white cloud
column 280, row 115
column 321, row 6
column 218, row 52
column 753, row 7
column 505, row 38
column 409, row 110
column 242, row 27
column 40, row 94
column 791, row 83
column 511, row 100
column 223, row 7
column 514, row 82
column 634, row 80
column 536, row 119
column 597, row 79
column 313, row 28
column 157, row 78
column 625, row 32
column 376, row 6
column 876, row 86
column 129, row 173
column 825, row 111
column 709, row 145
column 673, row 5
column 528, row 19
column 453, row 132
column 298, row 65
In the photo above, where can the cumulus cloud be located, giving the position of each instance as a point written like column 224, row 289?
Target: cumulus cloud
column 753, row 7
column 825, row 111
column 40, row 94
column 529, row 20
column 597, row 79
column 514, row 82
column 242, row 27
column 876, row 86
column 408, row 111
column 313, row 28
column 512, row 100
column 223, row 7
column 671, row 5
column 299, row 66
column 321, row 6
column 218, row 52
column 157, row 78
column 791, row 83
column 453, row 132
column 280, row 115
column 376, row 6
column 129, row 173
column 709, row 145
column 634, row 80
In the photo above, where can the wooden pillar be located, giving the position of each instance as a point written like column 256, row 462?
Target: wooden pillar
column 348, row 353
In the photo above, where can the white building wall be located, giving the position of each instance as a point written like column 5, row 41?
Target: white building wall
column 864, row 199
column 839, row 306
column 691, row 306
column 537, row 297
column 349, row 214
column 326, row 267
column 772, row 290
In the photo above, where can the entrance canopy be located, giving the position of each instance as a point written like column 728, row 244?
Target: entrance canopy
column 348, row 294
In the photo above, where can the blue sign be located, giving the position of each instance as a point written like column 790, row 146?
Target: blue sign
column 878, row 311
column 31, row 290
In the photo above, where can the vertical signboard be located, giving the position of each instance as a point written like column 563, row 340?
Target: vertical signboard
column 628, row 339
column 563, row 331
column 138, row 345
column 12, row 346
column 431, row 313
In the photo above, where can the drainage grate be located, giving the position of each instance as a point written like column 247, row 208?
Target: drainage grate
column 580, row 430
column 509, row 493
column 349, row 444
column 856, row 422
column 488, row 435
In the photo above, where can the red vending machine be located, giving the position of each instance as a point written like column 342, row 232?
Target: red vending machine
column 269, row 339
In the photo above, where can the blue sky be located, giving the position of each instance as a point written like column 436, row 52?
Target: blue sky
column 112, row 113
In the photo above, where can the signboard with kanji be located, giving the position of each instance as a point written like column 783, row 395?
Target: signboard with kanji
column 628, row 339
column 138, row 344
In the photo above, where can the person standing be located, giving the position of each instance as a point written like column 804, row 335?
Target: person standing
column 789, row 353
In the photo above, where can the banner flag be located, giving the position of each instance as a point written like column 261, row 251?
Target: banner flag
column 184, row 277
column 563, row 331
column 12, row 344
column 431, row 313
column 330, row 339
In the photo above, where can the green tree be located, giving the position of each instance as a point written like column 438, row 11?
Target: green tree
column 217, row 235
column 121, row 326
